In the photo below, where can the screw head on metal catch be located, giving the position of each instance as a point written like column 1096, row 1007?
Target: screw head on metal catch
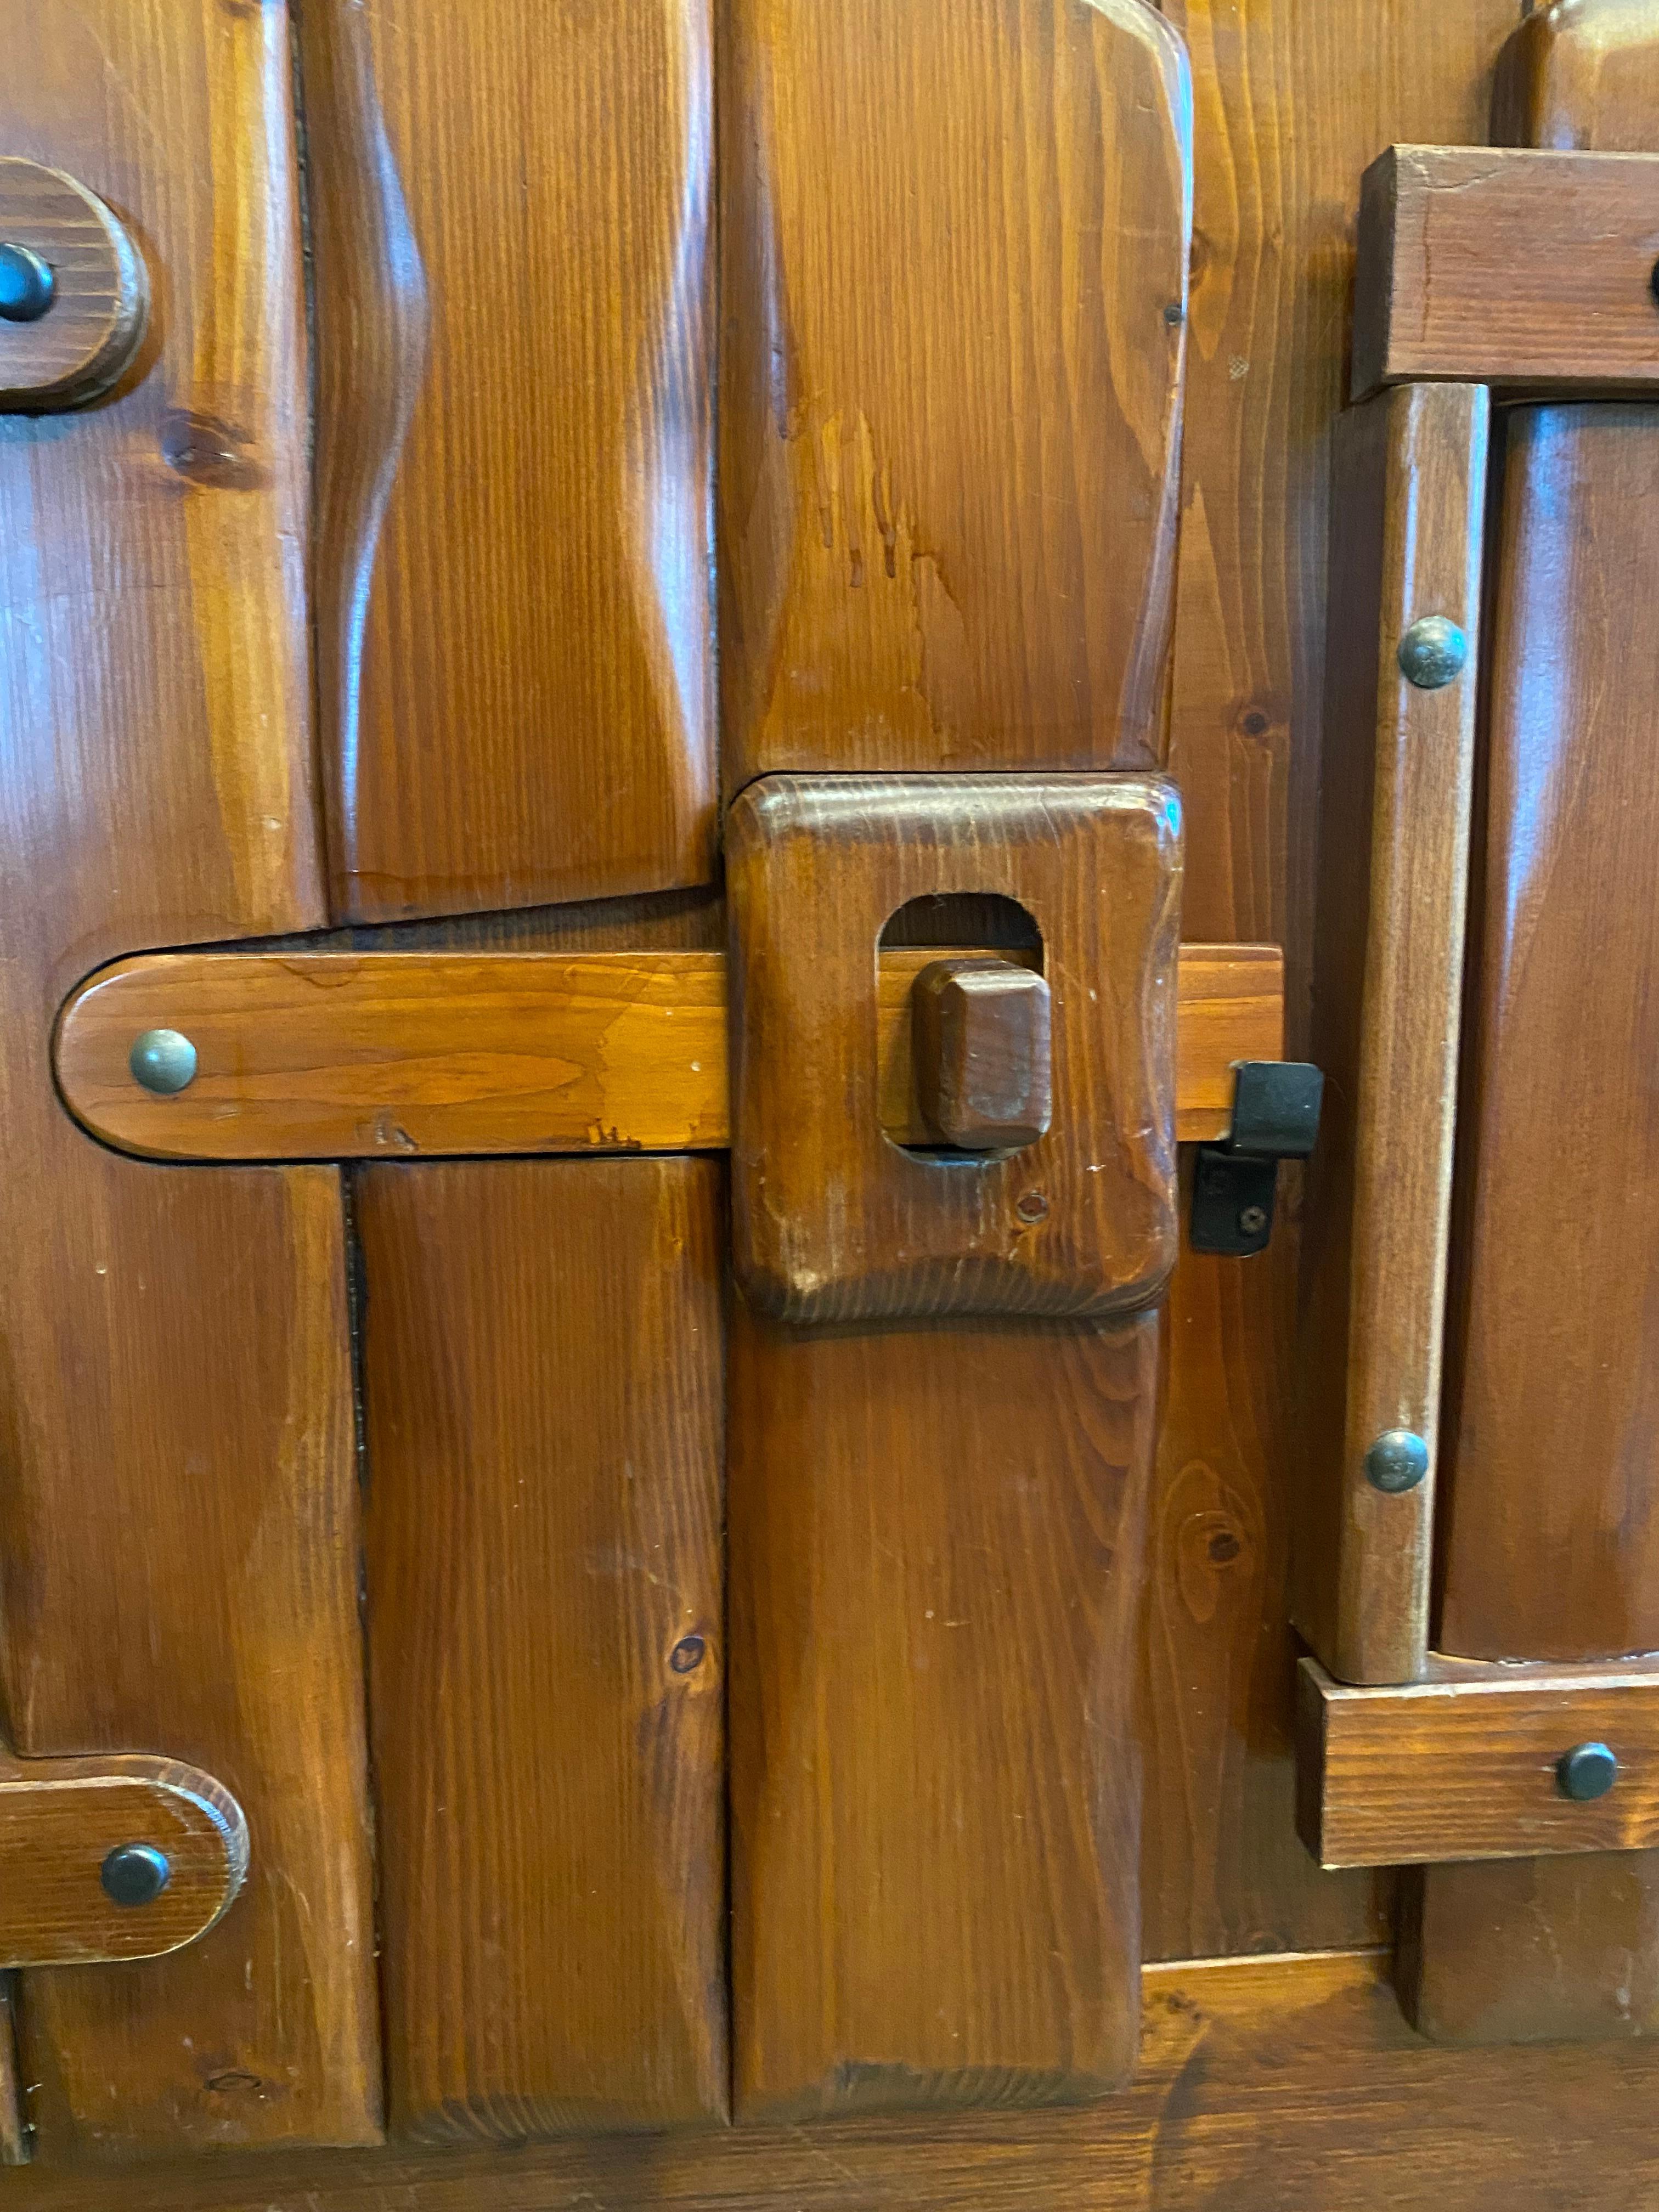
column 163, row 1060
column 28, row 285
column 135, row 1874
column 1588, row 1770
column 1397, row 1462
column 1432, row 652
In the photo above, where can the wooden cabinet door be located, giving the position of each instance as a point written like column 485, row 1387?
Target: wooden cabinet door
column 661, row 710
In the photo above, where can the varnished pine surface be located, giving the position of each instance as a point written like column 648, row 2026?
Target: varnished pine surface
column 936, row 1546
column 511, row 221
column 1407, row 543
column 954, row 264
column 1550, row 1544
column 543, row 1375
column 1292, row 98
column 178, row 1520
column 332, row 1055
column 1506, row 266
column 1270, row 2084
column 1463, row 1765
column 60, row 1819
column 100, row 291
column 831, row 1222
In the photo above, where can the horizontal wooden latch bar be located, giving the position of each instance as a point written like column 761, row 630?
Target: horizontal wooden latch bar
column 378, row 1055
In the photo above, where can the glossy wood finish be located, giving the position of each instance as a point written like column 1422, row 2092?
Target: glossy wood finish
column 342, row 1055
column 1507, row 267
column 1410, row 490
column 542, row 1374
column 510, row 221
column 177, row 1522
column 1550, row 1544
column 830, row 1221
column 954, row 243
column 983, row 1056
column 1464, row 1765
column 100, row 291
column 1272, row 2085
column 1292, row 99
column 1552, row 1948
column 936, row 1556
column 60, row 1819
column 1582, row 73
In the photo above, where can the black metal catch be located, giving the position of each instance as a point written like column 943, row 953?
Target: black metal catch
column 1236, row 1184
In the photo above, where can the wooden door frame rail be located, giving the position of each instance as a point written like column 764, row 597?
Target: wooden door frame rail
column 1466, row 1762
column 333, row 1056
column 60, row 1820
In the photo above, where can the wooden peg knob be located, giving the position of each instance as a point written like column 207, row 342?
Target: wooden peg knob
column 981, row 1029
column 77, row 293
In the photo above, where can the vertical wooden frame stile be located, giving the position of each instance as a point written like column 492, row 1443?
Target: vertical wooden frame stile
column 950, row 414
column 1407, row 509
column 180, row 1544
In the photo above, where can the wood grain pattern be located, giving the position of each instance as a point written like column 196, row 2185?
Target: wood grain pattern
column 1463, row 1765
column 832, row 1222
column 340, row 1054
column 1566, row 1947
column 100, row 291
column 60, row 1819
column 1406, row 544
column 1292, row 99
column 542, row 1374
column 1272, row 2085
column 1550, row 1544
column 1507, row 267
column 935, row 1561
column 16, row 2142
column 177, row 1520
column 954, row 250
column 982, row 1053
column 510, row 212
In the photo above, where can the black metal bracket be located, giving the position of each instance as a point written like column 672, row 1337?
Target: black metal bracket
column 1236, row 1184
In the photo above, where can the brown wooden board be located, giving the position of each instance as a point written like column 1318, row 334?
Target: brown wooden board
column 936, row 1564
column 1267, row 2085
column 1292, row 98
column 177, row 1522
column 511, row 229
column 1507, row 266
column 954, row 269
column 1466, row 1763
column 541, row 1376
column 1406, row 537
column 363, row 1054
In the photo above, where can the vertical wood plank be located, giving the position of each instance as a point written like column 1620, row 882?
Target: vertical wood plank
column 1291, row 99
column 542, row 1374
column 178, row 1534
column 936, row 1561
column 954, row 247
column 510, row 207
column 1410, row 487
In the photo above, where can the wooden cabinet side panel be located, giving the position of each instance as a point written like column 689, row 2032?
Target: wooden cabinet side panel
column 543, row 1367
column 179, row 1523
column 936, row 1556
column 954, row 248
column 511, row 211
